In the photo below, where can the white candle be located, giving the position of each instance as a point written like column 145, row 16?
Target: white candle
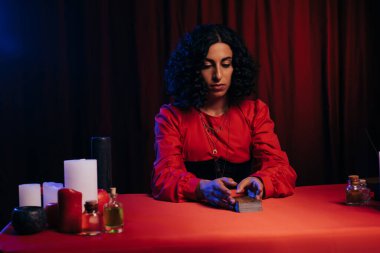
column 50, row 192
column 81, row 175
column 29, row 194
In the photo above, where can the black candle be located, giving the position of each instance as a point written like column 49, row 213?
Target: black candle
column 101, row 151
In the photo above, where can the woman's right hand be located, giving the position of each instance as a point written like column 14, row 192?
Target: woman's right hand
column 216, row 192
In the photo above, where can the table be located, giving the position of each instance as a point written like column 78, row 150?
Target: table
column 315, row 219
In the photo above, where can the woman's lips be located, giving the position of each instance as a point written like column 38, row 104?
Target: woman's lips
column 217, row 87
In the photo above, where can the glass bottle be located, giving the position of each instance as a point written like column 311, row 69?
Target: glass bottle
column 353, row 193
column 91, row 219
column 113, row 216
column 366, row 192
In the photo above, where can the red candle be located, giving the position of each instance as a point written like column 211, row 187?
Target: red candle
column 51, row 210
column 70, row 210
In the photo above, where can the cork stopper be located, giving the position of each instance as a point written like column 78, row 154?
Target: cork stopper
column 113, row 191
column 91, row 205
column 354, row 179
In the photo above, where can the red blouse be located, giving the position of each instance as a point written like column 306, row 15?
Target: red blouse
column 242, row 133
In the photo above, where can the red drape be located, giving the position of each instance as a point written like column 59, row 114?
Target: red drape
column 75, row 69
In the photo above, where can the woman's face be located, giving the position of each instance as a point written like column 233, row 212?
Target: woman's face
column 217, row 70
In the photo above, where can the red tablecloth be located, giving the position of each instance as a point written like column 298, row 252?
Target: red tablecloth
column 315, row 219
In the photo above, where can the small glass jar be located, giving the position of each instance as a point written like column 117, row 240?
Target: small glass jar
column 365, row 191
column 113, row 215
column 353, row 191
column 91, row 219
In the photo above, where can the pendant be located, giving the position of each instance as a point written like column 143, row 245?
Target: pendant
column 214, row 151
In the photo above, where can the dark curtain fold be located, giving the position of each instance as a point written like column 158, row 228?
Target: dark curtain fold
column 75, row 69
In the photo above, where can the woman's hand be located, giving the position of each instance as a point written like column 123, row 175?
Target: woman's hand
column 216, row 192
column 254, row 186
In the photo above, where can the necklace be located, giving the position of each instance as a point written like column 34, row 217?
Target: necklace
column 214, row 129
column 211, row 133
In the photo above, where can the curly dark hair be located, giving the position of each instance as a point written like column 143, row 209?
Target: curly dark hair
column 183, row 77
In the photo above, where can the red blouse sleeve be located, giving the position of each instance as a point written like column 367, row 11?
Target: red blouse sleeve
column 273, row 166
column 170, row 180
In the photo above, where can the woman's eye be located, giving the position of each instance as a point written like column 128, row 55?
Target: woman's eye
column 206, row 66
column 226, row 65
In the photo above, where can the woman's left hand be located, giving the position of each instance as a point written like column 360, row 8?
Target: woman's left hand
column 253, row 185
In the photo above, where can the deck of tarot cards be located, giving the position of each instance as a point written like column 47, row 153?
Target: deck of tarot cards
column 245, row 203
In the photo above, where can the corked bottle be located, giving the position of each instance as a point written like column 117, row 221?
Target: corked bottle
column 113, row 215
column 353, row 192
column 91, row 219
column 366, row 192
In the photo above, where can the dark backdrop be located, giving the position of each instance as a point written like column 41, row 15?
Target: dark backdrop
column 70, row 70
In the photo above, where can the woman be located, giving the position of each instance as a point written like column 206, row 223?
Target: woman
column 212, row 137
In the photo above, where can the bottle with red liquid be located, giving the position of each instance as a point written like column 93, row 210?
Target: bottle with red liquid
column 91, row 219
